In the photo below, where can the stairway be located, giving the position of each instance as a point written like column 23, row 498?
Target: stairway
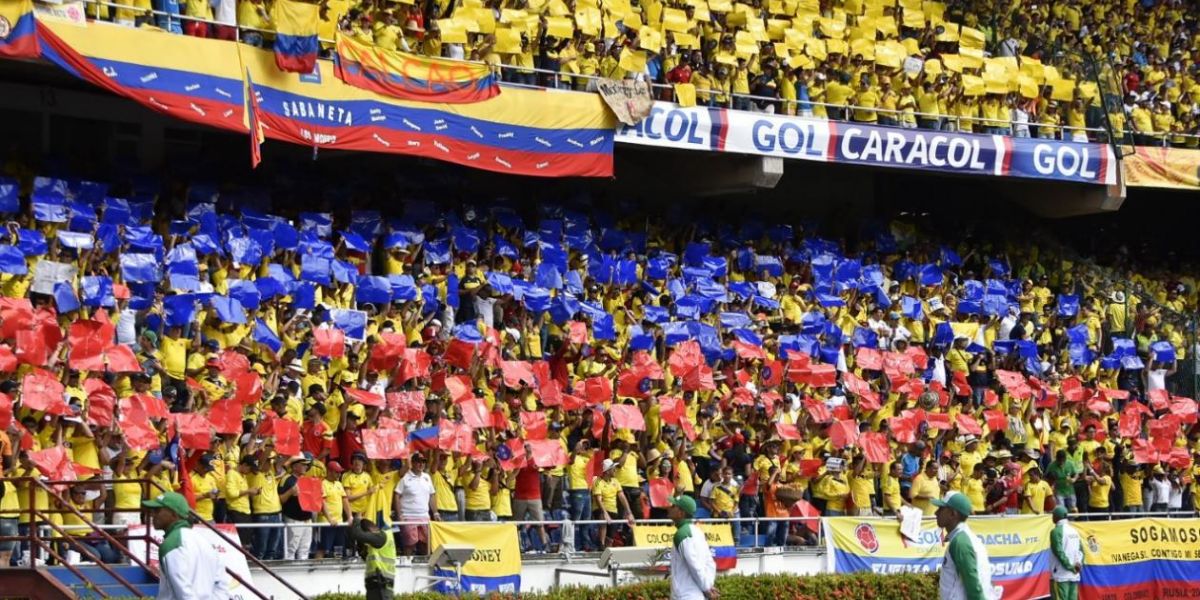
column 95, row 579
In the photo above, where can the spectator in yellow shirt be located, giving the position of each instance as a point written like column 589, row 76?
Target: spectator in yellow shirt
column 925, row 488
column 335, row 510
column 204, row 487
column 1035, row 492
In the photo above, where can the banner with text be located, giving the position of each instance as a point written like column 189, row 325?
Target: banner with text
column 525, row 132
column 1018, row 548
column 718, row 535
column 496, row 564
column 1147, row 559
column 722, row 130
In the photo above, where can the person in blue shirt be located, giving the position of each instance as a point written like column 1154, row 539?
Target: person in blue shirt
column 910, row 464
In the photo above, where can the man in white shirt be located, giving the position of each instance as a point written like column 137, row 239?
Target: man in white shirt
column 414, row 502
column 693, row 571
column 189, row 565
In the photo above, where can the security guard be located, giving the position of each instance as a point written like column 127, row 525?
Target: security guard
column 378, row 548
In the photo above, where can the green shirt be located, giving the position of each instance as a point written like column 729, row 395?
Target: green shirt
column 1061, row 474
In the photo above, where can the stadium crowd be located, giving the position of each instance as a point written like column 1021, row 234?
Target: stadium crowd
column 561, row 365
column 1051, row 70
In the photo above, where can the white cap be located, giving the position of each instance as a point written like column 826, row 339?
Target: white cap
column 607, row 465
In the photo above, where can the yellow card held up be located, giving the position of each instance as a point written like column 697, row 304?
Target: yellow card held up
column 914, row 18
column 633, row 61
column 650, row 39
column 1027, row 86
column 1063, row 90
column 451, row 31
column 973, row 86
column 675, row 20
column 685, row 94
column 560, row 27
column 508, row 41
column 686, row 40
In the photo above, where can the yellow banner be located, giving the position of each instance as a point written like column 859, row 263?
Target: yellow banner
column 1175, row 168
column 497, row 552
column 660, row 536
column 1140, row 558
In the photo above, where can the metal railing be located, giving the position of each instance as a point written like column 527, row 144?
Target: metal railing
column 663, row 91
column 37, row 542
column 753, row 526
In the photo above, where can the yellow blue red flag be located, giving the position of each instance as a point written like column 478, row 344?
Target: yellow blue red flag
column 413, row 77
column 1140, row 558
column 18, row 31
column 521, row 132
column 496, row 564
column 253, row 122
column 296, row 42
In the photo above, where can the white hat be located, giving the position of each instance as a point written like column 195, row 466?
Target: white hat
column 296, row 364
column 607, row 465
column 1118, row 297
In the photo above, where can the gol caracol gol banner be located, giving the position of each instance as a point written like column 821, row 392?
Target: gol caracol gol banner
column 718, row 535
column 524, row 132
column 1018, row 548
column 1140, row 559
column 801, row 138
column 496, row 564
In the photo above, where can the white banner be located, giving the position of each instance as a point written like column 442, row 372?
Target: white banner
column 670, row 126
column 775, row 135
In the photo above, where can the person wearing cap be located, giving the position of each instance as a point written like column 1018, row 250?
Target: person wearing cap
column 189, row 566
column 335, row 510
column 693, row 571
column 1066, row 557
column 966, row 572
column 378, row 549
column 610, row 502
column 205, row 487
column 416, row 505
column 238, row 492
column 298, row 533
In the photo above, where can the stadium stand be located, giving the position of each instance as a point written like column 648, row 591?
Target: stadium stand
column 551, row 362
column 1048, row 70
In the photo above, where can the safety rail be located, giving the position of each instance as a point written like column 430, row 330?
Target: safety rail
column 665, row 91
column 37, row 542
column 759, row 524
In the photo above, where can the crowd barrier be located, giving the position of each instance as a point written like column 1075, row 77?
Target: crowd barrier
column 1126, row 555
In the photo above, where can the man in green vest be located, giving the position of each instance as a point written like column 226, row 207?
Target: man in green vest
column 189, row 565
column 378, row 548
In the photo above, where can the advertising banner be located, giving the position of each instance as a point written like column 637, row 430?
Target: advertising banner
column 1018, row 549
column 496, row 564
column 718, row 535
column 821, row 140
column 1147, row 559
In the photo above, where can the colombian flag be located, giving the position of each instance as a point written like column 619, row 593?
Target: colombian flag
column 412, row 77
column 18, row 34
column 296, row 42
column 253, row 123
column 424, row 439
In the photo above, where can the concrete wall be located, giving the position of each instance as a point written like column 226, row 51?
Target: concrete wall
column 537, row 573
